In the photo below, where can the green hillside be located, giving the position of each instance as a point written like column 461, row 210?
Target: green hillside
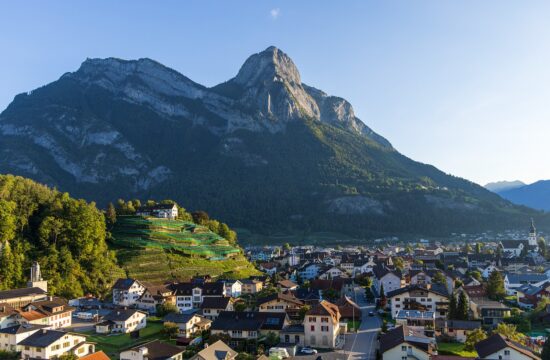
column 156, row 250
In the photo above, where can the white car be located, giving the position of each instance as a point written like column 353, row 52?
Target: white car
column 308, row 350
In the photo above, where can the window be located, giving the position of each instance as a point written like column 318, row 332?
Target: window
column 324, row 328
column 312, row 328
column 506, row 352
column 403, row 348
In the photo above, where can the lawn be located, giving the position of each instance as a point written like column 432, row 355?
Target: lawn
column 113, row 344
column 455, row 349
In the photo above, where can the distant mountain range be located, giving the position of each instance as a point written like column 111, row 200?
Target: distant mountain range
column 262, row 151
column 535, row 195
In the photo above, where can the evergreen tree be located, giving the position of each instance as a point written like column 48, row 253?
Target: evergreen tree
column 495, row 286
column 462, row 307
column 478, row 248
column 452, row 308
column 383, row 299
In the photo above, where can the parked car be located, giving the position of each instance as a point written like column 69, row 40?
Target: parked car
column 371, row 313
column 309, row 351
column 278, row 352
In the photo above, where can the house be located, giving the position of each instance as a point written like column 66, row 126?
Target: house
column 490, row 312
column 191, row 295
column 216, row 351
column 513, row 247
column 287, row 285
column 293, row 334
column 349, row 310
column 122, row 321
column 487, row 270
column 333, row 273
column 126, row 292
column 307, row 296
column 263, row 254
column 322, row 325
column 7, row 316
column 54, row 312
column 252, row 286
column 270, row 268
column 18, row 298
column 389, row 279
column 309, row 271
column 246, row 325
column 153, row 296
column 280, row 302
column 211, row 307
column 514, row 281
column 154, row 350
column 418, row 297
column 11, row 336
column 456, row 329
column 340, row 286
column 425, row 277
column 528, row 296
column 233, row 288
column 415, row 318
column 497, row 347
column 51, row 344
column 406, row 342
column 188, row 324
column 164, row 211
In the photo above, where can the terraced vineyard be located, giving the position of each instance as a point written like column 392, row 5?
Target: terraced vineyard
column 157, row 250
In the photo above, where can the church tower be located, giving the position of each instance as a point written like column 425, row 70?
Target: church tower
column 36, row 278
column 532, row 234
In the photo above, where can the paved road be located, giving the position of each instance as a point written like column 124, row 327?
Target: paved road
column 362, row 345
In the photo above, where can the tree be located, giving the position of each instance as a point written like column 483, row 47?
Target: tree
column 287, row 247
column 110, row 215
column 468, row 248
column 7, row 220
column 478, row 248
column 452, row 308
column 495, row 286
column 542, row 247
column 462, row 307
column 398, row 262
column 166, row 308
column 473, row 337
column 510, row 331
column 303, row 311
column 68, row 357
column 171, row 329
column 439, row 278
column 200, row 217
column 476, row 275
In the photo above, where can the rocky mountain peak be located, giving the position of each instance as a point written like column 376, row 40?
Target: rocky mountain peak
column 272, row 64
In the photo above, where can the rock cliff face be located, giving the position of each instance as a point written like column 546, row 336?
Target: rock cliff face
column 260, row 150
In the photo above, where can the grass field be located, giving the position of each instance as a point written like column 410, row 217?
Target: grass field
column 455, row 349
column 112, row 345
column 157, row 250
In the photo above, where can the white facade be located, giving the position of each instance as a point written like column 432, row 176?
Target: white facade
column 234, row 289
column 70, row 343
column 130, row 296
column 405, row 351
column 390, row 281
column 424, row 297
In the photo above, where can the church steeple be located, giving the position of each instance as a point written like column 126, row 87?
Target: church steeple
column 532, row 234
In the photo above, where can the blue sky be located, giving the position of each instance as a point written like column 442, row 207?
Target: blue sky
column 463, row 85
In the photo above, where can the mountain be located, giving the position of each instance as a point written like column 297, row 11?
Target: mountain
column 262, row 151
column 535, row 195
column 500, row 186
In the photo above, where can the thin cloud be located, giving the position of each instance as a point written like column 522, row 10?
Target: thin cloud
column 275, row 13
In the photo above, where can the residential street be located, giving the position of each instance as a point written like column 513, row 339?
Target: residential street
column 362, row 345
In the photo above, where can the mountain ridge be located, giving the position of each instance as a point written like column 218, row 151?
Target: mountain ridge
column 261, row 150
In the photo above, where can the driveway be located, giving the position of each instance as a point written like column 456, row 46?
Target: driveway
column 362, row 345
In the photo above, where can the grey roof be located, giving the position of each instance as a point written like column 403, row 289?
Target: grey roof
column 15, row 293
column 123, row 284
column 415, row 314
column 250, row 321
column 157, row 350
column 43, row 338
column 178, row 318
column 525, row 278
column 120, row 315
column 20, row 329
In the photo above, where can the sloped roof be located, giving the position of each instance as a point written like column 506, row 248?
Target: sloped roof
column 43, row 338
column 325, row 308
column 157, row 350
column 123, row 284
column 497, row 342
column 98, row 355
column 249, row 321
column 280, row 296
column 15, row 293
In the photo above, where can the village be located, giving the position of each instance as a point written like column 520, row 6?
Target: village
column 422, row 300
